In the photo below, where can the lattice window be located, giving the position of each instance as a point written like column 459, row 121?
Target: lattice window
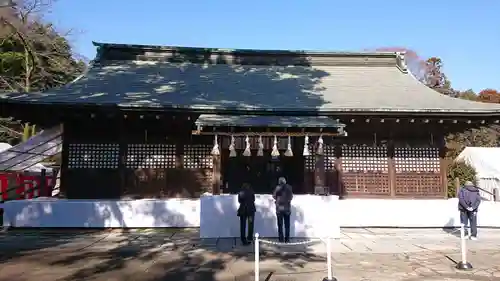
column 151, row 156
column 330, row 157
column 428, row 184
column 364, row 158
column 416, row 159
column 93, row 156
column 197, row 156
column 368, row 183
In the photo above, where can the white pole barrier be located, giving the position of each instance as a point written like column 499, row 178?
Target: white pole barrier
column 463, row 264
column 329, row 258
column 463, row 245
column 256, row 252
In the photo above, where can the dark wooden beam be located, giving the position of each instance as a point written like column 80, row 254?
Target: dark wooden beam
column 267, row 134
column 216, row 176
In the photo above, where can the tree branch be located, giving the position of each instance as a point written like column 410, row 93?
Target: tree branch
column 27, row 49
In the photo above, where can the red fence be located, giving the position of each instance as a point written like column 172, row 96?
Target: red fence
column 25, row 185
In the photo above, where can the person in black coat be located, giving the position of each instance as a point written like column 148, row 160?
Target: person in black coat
column 283, row 196
column 246, row 212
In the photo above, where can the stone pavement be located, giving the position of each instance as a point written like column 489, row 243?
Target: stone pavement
column 360, row 254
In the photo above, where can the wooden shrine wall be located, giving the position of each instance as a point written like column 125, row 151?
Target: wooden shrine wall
column 365, row 170
column 168, row 170
column 361, row 170
column 149, row 170
column 398, row 171
column 418, row 172
column 103, row 163
column 111, row 166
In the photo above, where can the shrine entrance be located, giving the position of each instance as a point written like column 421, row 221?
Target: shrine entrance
column 261, row 172
column 260, row 149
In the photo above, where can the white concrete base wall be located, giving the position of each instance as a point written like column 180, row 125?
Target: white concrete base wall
column 309, row 217
column 312, row 216
column 102, row 213
column 411, row 213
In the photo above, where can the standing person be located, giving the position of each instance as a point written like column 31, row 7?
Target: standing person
column 283, row 196
column 246, row 212
column 468, row 204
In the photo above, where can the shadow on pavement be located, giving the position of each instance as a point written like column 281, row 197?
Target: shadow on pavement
column 142, row 256
column 452, row 231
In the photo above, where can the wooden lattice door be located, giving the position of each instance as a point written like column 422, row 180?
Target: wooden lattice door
column 417, row 171
column 365, row 170
column 150, row 170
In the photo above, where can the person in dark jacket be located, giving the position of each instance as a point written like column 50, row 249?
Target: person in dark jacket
column 468, row 204
column 246, row 212
column 283, row 196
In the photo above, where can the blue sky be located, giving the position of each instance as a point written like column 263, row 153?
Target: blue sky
column 465, row 34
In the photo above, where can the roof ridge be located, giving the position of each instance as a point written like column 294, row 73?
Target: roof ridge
column 238, row 50
column 123, row 52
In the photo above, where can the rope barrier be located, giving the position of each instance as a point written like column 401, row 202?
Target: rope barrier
column 327, row 241
column 306, row 242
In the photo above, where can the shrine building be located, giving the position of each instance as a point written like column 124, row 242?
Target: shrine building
column 158, row 122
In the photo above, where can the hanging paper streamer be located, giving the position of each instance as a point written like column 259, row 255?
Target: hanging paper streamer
column 319, row 151
column 275, row 152
column 232, row 151
column 289, row 152
column 247, row 151
column 260, row 152
column 215, row 149
column 306, row 146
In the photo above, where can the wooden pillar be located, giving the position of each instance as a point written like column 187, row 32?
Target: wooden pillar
column 179, row 153
column 122, row 164
column 457, row 187
column 391, row 169
column 319, row 170
column 216, row 174
column 443, row 169
column 338, row 169
column 63, row 181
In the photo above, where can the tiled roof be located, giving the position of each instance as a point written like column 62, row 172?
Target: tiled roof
column 156, row 77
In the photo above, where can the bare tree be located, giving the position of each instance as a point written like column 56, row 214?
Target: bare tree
column 34, row 56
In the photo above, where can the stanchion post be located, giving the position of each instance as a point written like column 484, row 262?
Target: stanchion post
column 329, row 260
column 463, row 264
column 257, row 256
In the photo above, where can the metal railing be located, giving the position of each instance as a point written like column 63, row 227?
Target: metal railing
column 43, row 175
column 495, row 193
column 33, row 155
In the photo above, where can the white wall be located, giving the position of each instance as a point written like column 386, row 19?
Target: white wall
column 219, row 216
column 103, row 213
column 313, row 210
column 411, row 213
